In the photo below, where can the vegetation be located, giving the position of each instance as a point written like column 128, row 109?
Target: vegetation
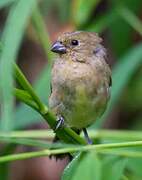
column 117, row 153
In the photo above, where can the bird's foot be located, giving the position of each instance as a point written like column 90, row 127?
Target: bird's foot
column 89, row 141
column 60, row 122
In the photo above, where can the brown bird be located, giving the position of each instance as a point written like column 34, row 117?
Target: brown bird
column 81, row 80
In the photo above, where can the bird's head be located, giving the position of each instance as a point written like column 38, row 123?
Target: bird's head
column 78, row 45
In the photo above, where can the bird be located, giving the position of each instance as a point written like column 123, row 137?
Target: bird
column 81, row 80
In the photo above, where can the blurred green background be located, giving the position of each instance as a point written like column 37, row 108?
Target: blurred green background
column 24, row 41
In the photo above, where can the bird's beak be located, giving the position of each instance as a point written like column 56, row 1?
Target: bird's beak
column 58, row 47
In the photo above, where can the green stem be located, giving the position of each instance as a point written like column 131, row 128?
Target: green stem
column 30, row 142
column 116, row 135
column 35, row 143
column 124, row 153
column 97, row 134
column 25, row 97
column 4, row 168
column 27, row 86
column 28, row 134
column 66, row 134
column 102, row 148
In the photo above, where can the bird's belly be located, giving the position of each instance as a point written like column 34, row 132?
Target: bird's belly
column 81, row 109
column 78, row 95
column 79, row 117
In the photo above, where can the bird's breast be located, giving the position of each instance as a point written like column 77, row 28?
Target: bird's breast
column 70, row 74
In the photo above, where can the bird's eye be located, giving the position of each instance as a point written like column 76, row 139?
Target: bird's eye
column 74, row 42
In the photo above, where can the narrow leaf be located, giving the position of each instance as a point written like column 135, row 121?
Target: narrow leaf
column 11, row 39
column 82, row 10
column 72, row 166
column 89, row 168
column 113, row 168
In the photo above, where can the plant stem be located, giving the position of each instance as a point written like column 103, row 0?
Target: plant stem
column 30, row 142
column 116, row 135
column 124, row 135
column 25, row 97
column 28, row 134
column 35, row 143
column 4, row 168
column 124, row 153
column 27, row 86
column 66, row 134
column 102, row 148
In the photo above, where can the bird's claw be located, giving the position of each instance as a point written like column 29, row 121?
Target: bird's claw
column 89, row 141
column 60, row 123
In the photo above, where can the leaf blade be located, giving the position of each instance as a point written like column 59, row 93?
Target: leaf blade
column 13, row 32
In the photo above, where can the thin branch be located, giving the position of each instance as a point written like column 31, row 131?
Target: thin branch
column 122, row 153
column 101, row 148
column 28, row 134
column 124, row 135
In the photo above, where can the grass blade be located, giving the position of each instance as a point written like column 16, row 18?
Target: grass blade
column 13, row 32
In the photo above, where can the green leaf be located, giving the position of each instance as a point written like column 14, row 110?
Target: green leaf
column 131, row 19
column 26, row 98
column 82, row 10
column 88, row 168
column 113, row 168
column 135, row 165
column 41, row 32
column 28, row 142
column 1, row 46
column 4, row 168
column 4, row 3
column 11, row 39
column 129, row 64
column 121, row 38
column 71, row 167
column 42, row 85
column 34, row 142
column 22, row 121
column 63, row 12
column 23, row 82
